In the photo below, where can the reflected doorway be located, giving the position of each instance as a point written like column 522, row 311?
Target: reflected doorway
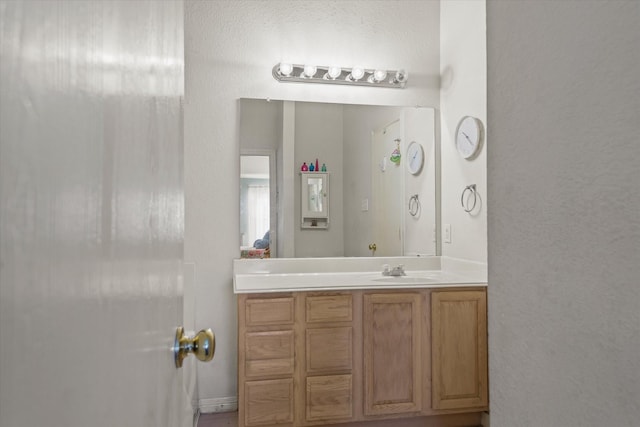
column 257, row 204
column 387, row 190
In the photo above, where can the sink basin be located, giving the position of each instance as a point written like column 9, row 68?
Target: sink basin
column 404, row 280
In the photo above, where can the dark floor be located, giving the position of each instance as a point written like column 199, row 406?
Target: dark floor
column 222, row 419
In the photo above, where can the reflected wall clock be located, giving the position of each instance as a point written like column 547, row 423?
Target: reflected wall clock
column 415, row 157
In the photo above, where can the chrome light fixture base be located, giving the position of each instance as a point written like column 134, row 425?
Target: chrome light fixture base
column 396, row 79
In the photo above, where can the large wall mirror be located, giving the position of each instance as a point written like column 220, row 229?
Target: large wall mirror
column 382, row 202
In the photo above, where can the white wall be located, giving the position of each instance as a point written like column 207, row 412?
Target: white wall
column 564, row 225
column 463, row 66
column 230, row 48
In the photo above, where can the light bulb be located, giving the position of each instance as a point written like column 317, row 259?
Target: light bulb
column 379, row 75
column 334, row 72
column 310, row 70
column 285, row 69
column 357, row 73
column 401, row 76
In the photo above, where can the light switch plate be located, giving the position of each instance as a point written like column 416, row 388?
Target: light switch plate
column 365, row 205
column 447, row 233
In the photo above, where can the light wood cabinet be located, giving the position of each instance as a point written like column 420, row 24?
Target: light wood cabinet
column 268, row 402
column 269, row 311
column 266, row 360
column 329, row 397
column 269, row 353
column 329, row 349
column 459, row 349
column 329, row 308
column 330, row 358
column 392, row 353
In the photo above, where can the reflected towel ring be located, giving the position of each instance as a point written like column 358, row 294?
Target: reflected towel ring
column 414, row 205
column 466, row 204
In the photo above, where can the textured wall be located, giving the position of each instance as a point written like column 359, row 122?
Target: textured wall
column 564, row 225
column 463, row 66
column 230, row 48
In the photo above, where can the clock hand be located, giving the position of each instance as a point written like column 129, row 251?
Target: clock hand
column 468, row 139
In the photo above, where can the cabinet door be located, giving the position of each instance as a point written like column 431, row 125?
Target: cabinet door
column 459, row 349
column 314, row 195
column 268, row 402
column 329, row 349
column 392, row 370
column 269, row 353
column 329, row 397
column 266, row 360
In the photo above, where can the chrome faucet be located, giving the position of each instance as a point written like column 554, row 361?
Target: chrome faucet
column 395, row 271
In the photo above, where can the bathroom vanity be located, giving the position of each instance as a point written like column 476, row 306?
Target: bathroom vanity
column 332, row 341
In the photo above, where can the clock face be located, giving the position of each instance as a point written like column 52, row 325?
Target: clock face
column 415, row 157
column 468, row 136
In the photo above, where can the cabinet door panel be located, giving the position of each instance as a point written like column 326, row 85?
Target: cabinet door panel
column 269, row 353
column 329, row 397
column 392, row 349
column 268, row 402
column 329, row 349
column 269, row 311
column 329, row 308
column 459, row 349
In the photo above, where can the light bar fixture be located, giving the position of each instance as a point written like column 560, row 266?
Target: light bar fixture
column 285, row 72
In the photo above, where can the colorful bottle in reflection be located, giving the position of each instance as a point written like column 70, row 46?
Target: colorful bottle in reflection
column 304, row 167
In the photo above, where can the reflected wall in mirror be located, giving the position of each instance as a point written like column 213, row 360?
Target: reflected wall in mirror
column 371, row 193
column 257, row 221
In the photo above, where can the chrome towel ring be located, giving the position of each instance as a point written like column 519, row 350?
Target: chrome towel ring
column 414, row 205
column 469, row 203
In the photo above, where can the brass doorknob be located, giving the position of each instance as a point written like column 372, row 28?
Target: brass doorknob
column 202, row 345
column 373, row 247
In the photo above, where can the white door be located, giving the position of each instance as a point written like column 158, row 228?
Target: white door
column 92, row 215
column 387, row 191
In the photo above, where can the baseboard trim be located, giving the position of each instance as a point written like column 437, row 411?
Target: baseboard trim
column 219, row 404
column 486, row 419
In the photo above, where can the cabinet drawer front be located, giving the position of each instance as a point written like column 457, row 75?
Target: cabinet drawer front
column 269, row 311
column 269, row 353
column 268, row 402
column 329, row 349
column 329, row 308
column 329, row 397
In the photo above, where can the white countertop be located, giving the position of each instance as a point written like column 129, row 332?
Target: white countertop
column 330, row 274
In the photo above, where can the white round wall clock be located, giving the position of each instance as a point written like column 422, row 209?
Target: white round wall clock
column 469, row 137
column 415, row 158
